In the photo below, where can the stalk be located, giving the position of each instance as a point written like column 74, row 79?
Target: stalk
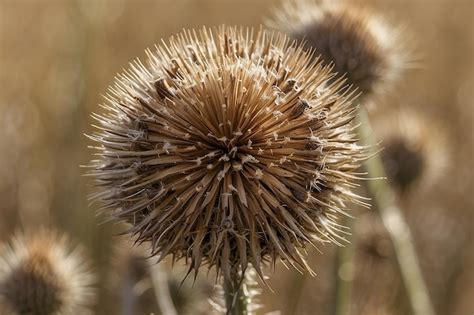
column 162, row 293
column 344, row 272
column 128, row 295
column 392, row 217
column 236, row 298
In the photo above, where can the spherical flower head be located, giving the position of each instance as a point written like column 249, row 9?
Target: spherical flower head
column 39, row 274
column 415, row 151
column 369, row 53
column 374, row 243
column 227, row 148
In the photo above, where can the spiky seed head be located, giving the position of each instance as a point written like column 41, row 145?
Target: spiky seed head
column 415, row 151
column 227, row 147
column 41, row 274
column 361, row 46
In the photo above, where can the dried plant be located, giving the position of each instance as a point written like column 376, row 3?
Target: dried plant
column 190, row 298
column 415, row 152
column 40, row 274
column 128, row 278
column 249, row 298
column 228, row 148
column 130, row 282
column 375, row 257
column 369, row 53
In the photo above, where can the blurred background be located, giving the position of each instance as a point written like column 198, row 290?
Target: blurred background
column 57, row 57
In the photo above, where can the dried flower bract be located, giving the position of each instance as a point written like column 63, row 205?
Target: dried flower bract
column 227, row 147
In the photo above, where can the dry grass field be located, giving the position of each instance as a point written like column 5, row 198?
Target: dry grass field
column 58, row 57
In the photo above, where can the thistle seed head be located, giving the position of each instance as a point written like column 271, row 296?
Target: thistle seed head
column 374, row 258
column 370, row 54
column 129, row 265
column 415, row 151
column 39, row 274
column 374, row 242
column 227, row 147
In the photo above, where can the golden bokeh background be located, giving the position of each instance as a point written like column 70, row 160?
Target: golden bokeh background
column 57, row 57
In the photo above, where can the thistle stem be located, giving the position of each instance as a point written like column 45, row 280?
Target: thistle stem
column 296, row 289
column 162, row 292
column 392, row 217
column 344, row 274
column 236, row 298
column 128, row 296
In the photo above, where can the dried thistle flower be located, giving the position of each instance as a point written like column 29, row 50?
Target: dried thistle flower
column 227, row 148
column 361, row 46
column 40, row 274
column 415, row 149
column 373, row 241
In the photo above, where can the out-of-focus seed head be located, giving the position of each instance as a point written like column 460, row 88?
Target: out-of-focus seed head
column 128, row 279
column 227, row 147
column 415, row 151
column 373, row 241
column 361, row 46
column 190, row 297
column 374, row 259
column 403, row 162
column 40, row 274
column 128, row 261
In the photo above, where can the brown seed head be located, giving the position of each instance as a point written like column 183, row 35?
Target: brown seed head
column 415, row 151
column 369, row 53
column 39, row 274
column 227, row 148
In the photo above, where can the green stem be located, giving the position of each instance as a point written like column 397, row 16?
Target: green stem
column 235, row 295
column 392, row 217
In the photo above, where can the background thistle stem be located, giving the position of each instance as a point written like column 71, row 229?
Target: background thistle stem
column 392, row 217
column 128, row 295
column 344, row 271
column 162, row 292
column 236, row 299
column 295, row 293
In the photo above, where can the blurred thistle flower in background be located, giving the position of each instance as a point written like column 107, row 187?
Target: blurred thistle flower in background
column 373, row 241
column 192, row 299
column 41, row 274
column 416, row 152
column 374, row 258
column 362, row 48
column 128, row 279
column 228, row 148
column 130, row 282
